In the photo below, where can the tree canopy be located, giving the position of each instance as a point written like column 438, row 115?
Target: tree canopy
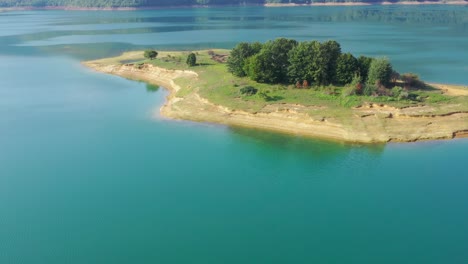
column 239, row 54
column 380, row 72
column 191, row 59
column 306, row 63
column 271, row 64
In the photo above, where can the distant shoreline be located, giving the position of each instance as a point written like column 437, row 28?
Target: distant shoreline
column 368, row 4
column 76, row 8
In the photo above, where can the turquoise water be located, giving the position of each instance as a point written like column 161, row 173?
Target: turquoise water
column 90, row 173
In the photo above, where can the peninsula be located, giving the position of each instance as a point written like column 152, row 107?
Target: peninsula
column 205, row 90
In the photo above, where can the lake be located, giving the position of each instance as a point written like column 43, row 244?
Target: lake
column 91, row 173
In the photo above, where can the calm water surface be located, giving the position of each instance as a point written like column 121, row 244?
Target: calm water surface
column 90, row 173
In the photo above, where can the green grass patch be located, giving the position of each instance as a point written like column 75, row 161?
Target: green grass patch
column 219, row 86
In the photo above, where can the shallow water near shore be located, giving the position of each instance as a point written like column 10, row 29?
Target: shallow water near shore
column 89, row 173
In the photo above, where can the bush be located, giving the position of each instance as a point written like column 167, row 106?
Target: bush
column 380, row 71
column 403, row 95
column 191, row 59
column 357, row 84
column 248, row 90
column 150, row 54
column 412, row 80
column 396, row 91
column 369, row 89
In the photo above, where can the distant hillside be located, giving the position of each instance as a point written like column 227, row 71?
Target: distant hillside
column 162, row 3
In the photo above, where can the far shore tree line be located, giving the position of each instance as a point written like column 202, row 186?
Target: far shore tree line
column 161, row 3
column 313, row 63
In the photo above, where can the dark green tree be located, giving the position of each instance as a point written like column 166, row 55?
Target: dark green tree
column 150, row 54
column 191, row 59
column 301, row 66
column 238, row 56
column 346, row 68
column 271, row 64
column 380, row 72
column 256, row 68
column 363, row 65
column 325, row 61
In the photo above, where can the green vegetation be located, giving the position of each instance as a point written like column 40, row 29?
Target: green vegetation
column 191, row 59
column 236, row 62
column 314, row 64
column 380, row 72
column 156, row 3
column 270, row 65
column 314, row 73
column 150, row 54
column 219, row 86
column 248, row 90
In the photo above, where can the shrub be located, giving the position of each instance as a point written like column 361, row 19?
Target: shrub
column 248, row 90
column 150, row 54
column 412, row 80
column 403, row 95
column 396, row 91
column 369, row 89
column 357, row 84
column 191, row 59
column 380, row 70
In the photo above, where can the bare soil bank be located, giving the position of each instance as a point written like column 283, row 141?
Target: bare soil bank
column 370, row 123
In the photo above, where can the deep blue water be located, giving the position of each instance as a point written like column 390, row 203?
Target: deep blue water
column 90, row 173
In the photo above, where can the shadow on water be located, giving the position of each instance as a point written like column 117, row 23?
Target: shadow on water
column 317, row 149
column 152, row 88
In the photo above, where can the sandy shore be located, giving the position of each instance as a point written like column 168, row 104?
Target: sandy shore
column 368, row 124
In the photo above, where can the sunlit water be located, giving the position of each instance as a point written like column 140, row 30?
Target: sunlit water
column 90, row 173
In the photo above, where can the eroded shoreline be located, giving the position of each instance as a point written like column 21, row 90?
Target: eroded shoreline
column 371, row 123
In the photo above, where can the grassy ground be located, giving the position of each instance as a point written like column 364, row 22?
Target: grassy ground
column 217, row 85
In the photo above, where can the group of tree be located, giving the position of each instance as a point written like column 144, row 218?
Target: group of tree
column 306, row 63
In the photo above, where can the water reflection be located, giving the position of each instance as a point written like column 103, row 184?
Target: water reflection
column 152, row 88
column 136, row 30
column 315, row 149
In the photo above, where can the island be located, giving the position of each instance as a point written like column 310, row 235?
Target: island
column 309, row 88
